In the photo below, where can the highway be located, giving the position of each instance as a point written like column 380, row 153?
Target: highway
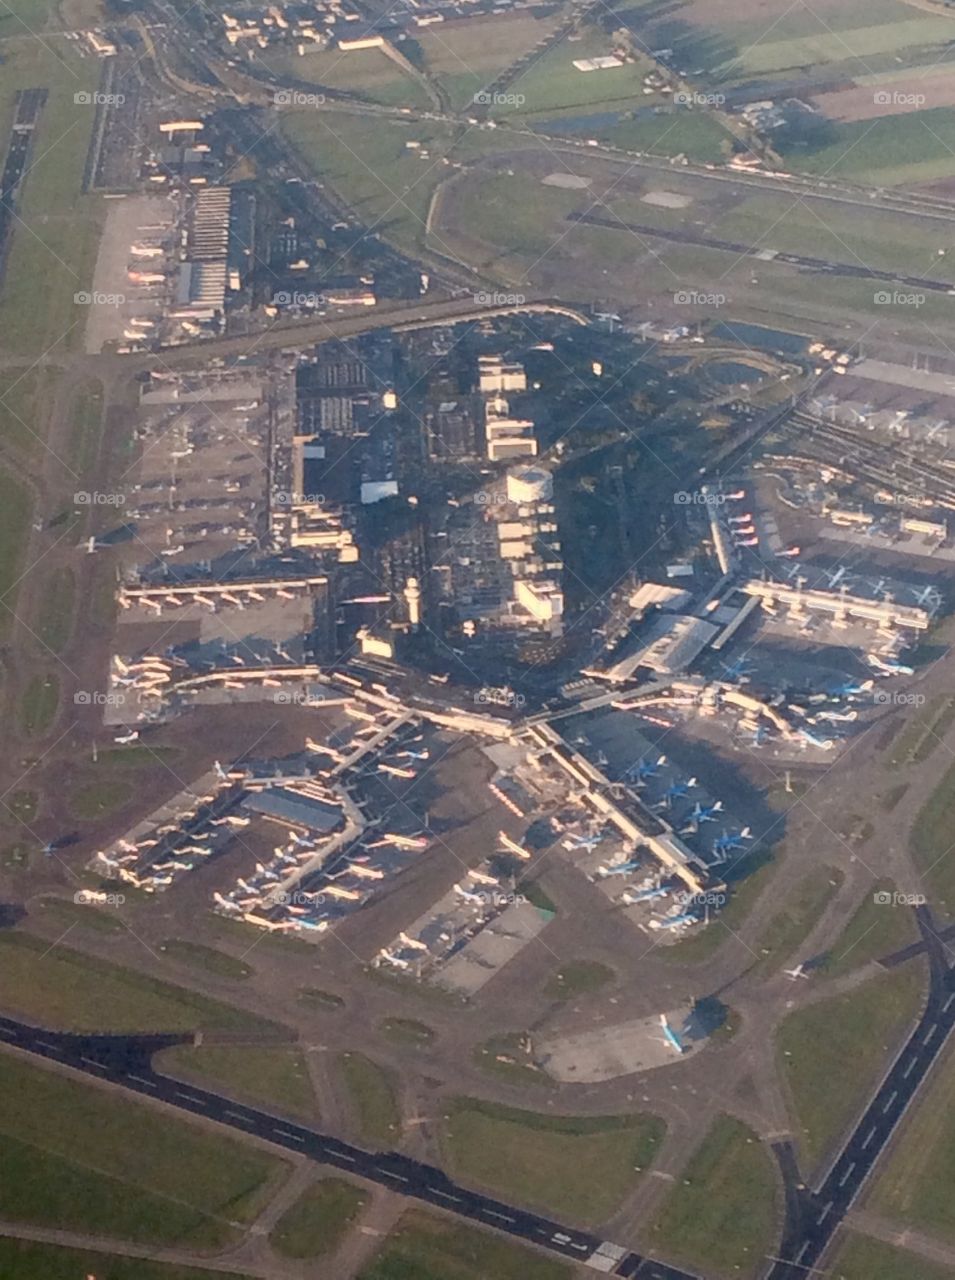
column 127, row 1061
column 821, row 1212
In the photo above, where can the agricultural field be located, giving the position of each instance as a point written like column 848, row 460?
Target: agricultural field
column 831, row 1053
column 721, row 1215
column 76, row 1157
column 578, row 1166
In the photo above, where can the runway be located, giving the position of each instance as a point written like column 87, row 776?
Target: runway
column 127, row 1061
column 821, row 1212
column 764, row 254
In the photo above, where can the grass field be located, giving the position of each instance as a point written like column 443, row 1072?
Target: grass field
column 521, row 1070
column 38, row 703
column 876, row 929
column 79, row 1157
column 579, row 1166
column 319, row 1220
column 923, row 732
column 890, row 150
column 703, row 944
column 262, row 1075
column 933, row 842
column 16, row 509
column 197, row 956
column 72, row 992
column 316, row 998
column 407, row 1030
column 92, row 800
column 578, row 978
column 552, row 85
column 804, row 908
column 85, row 429
column 21, row 408
column 373, row 1099
column 832, row 1053
column 915, row 1185
column 25, row 1260
column 54, row 241
column 426, row 1247
column 464, row 57
column 64, row 914
column 367, row 162
column 55, row 618
column 861, row 1258
column 369, row 73
column 721, row 1214
column 695, row 134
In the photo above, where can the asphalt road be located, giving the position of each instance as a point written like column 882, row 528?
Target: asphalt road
column 127, row 1061
column 821, row 1212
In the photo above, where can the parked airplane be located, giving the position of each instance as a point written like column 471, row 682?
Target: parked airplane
column 630, row 896
column 670, row 1037
column 730, row 841
column 395, row 770
column 124, row 738
column 930, row 596
column 798, row 972
column 743, row 519
column 706, row 813
column 746, row 542
column 644, row 769
column 851, row 688
column 737, row 670
column 889, row 666
column 583, row 842
column 618, row 868
column 837, row 717
column 676, row 792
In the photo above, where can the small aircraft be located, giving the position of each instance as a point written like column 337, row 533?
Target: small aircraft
column 743, row 519
column 583, row 842
column 889, row 666
column 729, row 842
column 851, row 688
column 125, row 738
column 618, row 868
column 794, row 974
column 706, row 813
column 630, row 896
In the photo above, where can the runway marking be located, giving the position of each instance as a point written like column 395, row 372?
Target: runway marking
column 445, row 1195
column 343, row 1155
column 296, row 1137
column 492, row 1213
column 141, row 1080
column 90, row 1062
column 236, row 1115
column 948, row 1003
column 847, row 1175
column 930, row 1035
column 910, row 1067
column 895, row 1094
column 45, row 1044
column 188, row 1096
column 869, row 1136
column 388, row 1173
column 824, row 1214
